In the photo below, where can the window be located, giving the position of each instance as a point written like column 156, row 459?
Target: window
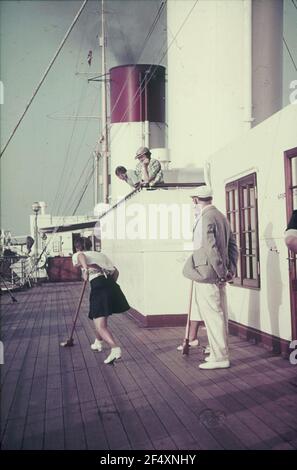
column 57, row 245
column 242, row 213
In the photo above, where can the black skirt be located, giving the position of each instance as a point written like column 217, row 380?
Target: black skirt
column 106, row 298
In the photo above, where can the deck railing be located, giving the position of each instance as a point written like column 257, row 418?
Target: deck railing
column 15, row 271
column 92, row 223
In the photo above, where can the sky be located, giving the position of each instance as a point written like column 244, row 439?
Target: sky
column 47, row 156
column 49, row 159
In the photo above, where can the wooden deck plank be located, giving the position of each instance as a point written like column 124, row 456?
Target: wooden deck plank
column 66, row 398
column 20, row 402
column 183, row 408
column 69, row 389
column 21, row 343
column 168, row 388
column 21, row 323
column 74, row 428
column 134, row 428
column 54, row 392
column 224, row 436
column 112, row 424
column 84, row 387
column 93, row 425
column 13, row 435
column 54, row 430
column 8, row 390
column 266, row 389
column 34, row 432
column 270, row 420
column 231, row 400
column 165, row 443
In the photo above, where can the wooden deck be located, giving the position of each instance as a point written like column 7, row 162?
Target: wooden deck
column 66, row 398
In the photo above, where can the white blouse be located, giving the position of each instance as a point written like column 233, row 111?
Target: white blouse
column 94, row 257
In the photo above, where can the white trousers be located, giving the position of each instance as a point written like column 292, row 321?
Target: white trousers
column 211, row 304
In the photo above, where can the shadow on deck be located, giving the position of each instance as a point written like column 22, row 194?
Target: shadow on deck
column 66, row 398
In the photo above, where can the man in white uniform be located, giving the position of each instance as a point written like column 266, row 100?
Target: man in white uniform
column 212, row 264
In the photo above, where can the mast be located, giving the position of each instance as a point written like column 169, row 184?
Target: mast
column 104, row 138
column 96, row 155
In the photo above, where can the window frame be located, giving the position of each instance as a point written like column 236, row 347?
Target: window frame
column 237, row 188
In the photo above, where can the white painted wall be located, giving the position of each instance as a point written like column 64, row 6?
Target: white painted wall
column 267, row 45
column 151, row 270
column 209, row 73
column 262, row 150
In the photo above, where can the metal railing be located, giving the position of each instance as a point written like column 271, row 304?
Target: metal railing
column 92, row 223
column 15, row 272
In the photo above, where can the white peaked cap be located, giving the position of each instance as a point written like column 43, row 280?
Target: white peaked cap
column 203, row 192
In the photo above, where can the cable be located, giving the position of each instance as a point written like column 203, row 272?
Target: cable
column 59, row 191
column 294, row 4
column 71, row 103
column 44, row 76
column 71, row 195
column 66, row 185
column 145, row 81
column 140, row 87
column 107, row 127
column 84, row 191
column 82, row 40
column 291, row 57
column 79, row 101
column 139, row 90
column 156, row 19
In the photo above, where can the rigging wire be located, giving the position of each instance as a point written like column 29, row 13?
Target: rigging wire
column 53, row 115
column 74, row 163
column 289, row 52
column 43, row 77
column 82, row 39
column 66, row 158
column 156, row 19
column 79, row 101
column 84, row 191
column 146, row 81
column 50, row 240
column 71, row 195
column 174, row 38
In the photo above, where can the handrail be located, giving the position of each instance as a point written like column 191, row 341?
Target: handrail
column 92, row 223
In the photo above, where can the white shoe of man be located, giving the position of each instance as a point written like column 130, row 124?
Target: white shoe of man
column 211, row 364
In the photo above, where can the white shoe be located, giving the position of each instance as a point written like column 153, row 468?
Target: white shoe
column 215, row 365
column 114, row 355
column 193, row 344
column 207, row 349
column 97, row 345
column 209, row 359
